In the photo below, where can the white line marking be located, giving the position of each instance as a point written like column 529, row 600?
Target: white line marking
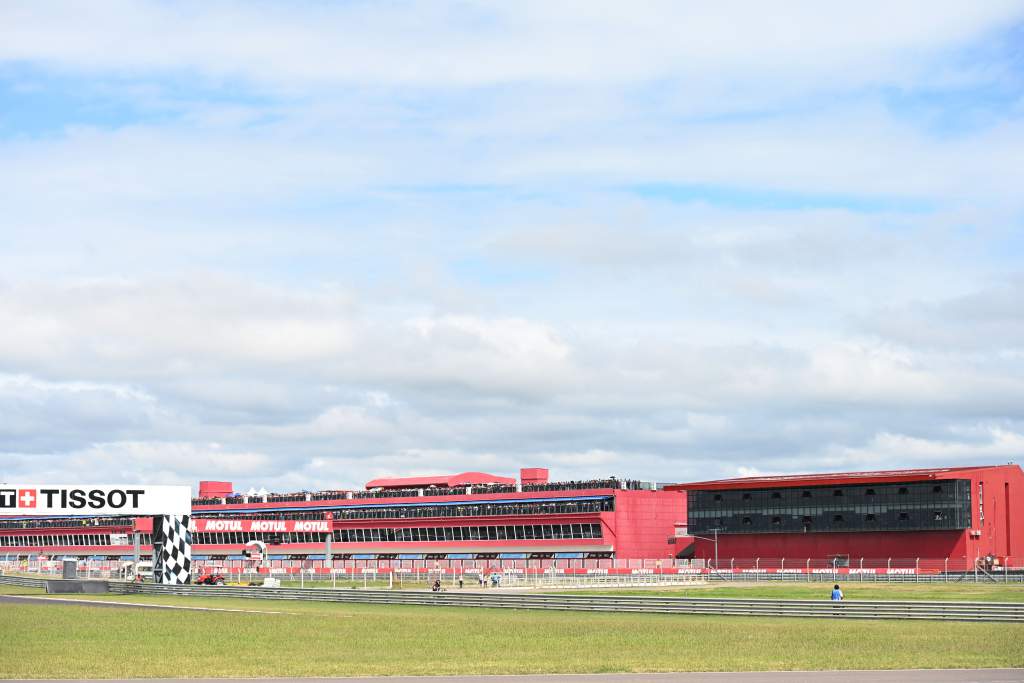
column 146, row 604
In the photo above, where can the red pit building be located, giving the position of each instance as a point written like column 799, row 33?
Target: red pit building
column 924, row 520
column 467, row 516
column 951, row 515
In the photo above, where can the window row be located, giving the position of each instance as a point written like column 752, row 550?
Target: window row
column 893, row 520
column 470, row 533
column 389, row 535
column 64, row 522
column 423, row 511
column 839, row 508
column 924, row 491
column 55, row 540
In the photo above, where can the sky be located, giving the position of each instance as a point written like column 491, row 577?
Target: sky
column 300, row 245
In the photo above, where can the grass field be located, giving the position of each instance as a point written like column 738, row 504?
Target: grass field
column 977, row 592
column 317, row 639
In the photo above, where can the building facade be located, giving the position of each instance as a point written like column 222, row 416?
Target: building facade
column 959, row 513
column 925, row 520
column 468, row 516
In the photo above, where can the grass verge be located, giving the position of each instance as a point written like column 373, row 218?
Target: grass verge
column 317, row 639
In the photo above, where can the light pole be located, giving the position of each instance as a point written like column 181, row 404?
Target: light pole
column 715, row 539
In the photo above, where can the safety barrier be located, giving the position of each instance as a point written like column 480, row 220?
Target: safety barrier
column 25, row 581
column 853, row 609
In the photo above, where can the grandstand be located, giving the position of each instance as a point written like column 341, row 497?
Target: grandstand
column 890, row 522
column 467, row 516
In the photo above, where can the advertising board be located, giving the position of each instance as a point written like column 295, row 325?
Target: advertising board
column 264, row 525
column 77, row 499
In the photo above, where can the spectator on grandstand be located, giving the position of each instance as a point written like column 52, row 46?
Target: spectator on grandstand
column 837, row 594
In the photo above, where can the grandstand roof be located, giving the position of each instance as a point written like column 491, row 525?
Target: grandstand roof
column 443, row 480
column 832, row 478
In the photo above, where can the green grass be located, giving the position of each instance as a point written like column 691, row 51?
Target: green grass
column 976, row 592
column 318, row 639
column 18, row 590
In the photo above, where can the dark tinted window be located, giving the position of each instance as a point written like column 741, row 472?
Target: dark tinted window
column 899, row 506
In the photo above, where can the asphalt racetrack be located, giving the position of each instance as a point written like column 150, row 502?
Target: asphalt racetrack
column 898, row 676
column 32, row 599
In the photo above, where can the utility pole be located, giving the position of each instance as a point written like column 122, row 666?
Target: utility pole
column 716, row 548
column 715, row 539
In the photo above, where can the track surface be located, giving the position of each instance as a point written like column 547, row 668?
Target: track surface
column 35, row 600
column 902, row 676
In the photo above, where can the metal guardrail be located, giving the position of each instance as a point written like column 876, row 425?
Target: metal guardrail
column 829, row 577
column 852, row 609
column 25, row 581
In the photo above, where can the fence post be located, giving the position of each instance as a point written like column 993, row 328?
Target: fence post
column 917, row 570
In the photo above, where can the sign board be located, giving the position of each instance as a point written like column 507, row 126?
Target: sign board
column 118, row 539
column 75, row 499
column 266, row 525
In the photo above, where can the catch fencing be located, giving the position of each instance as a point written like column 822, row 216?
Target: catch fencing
column 843, row 566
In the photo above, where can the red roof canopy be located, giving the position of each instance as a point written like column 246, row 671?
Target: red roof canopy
column 442, row 480
column 833, row 478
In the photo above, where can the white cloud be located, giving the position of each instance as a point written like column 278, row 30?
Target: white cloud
column 979, row 445
column 309, row 246
column 472, row 44
column 146, row 462
column 153, row 329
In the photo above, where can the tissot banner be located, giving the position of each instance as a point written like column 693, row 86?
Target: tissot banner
column 75, row 499
column 267, row 525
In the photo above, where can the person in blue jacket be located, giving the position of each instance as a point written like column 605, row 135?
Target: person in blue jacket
column 837, row 594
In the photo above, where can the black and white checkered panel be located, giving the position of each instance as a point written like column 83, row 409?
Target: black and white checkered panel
column 174, row 556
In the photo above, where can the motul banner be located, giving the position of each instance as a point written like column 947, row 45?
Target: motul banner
column 266, row 525
column 73, row 499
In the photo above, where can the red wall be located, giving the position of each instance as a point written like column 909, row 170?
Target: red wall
column 881, row 544
column 1002, row 532
column 215, row 489
column 644, row 522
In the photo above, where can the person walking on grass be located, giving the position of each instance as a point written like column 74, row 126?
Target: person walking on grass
column 837, row 594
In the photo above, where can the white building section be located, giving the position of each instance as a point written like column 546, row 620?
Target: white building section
column 30, row 500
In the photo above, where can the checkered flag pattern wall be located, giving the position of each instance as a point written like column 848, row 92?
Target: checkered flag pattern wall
column 174, row 554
